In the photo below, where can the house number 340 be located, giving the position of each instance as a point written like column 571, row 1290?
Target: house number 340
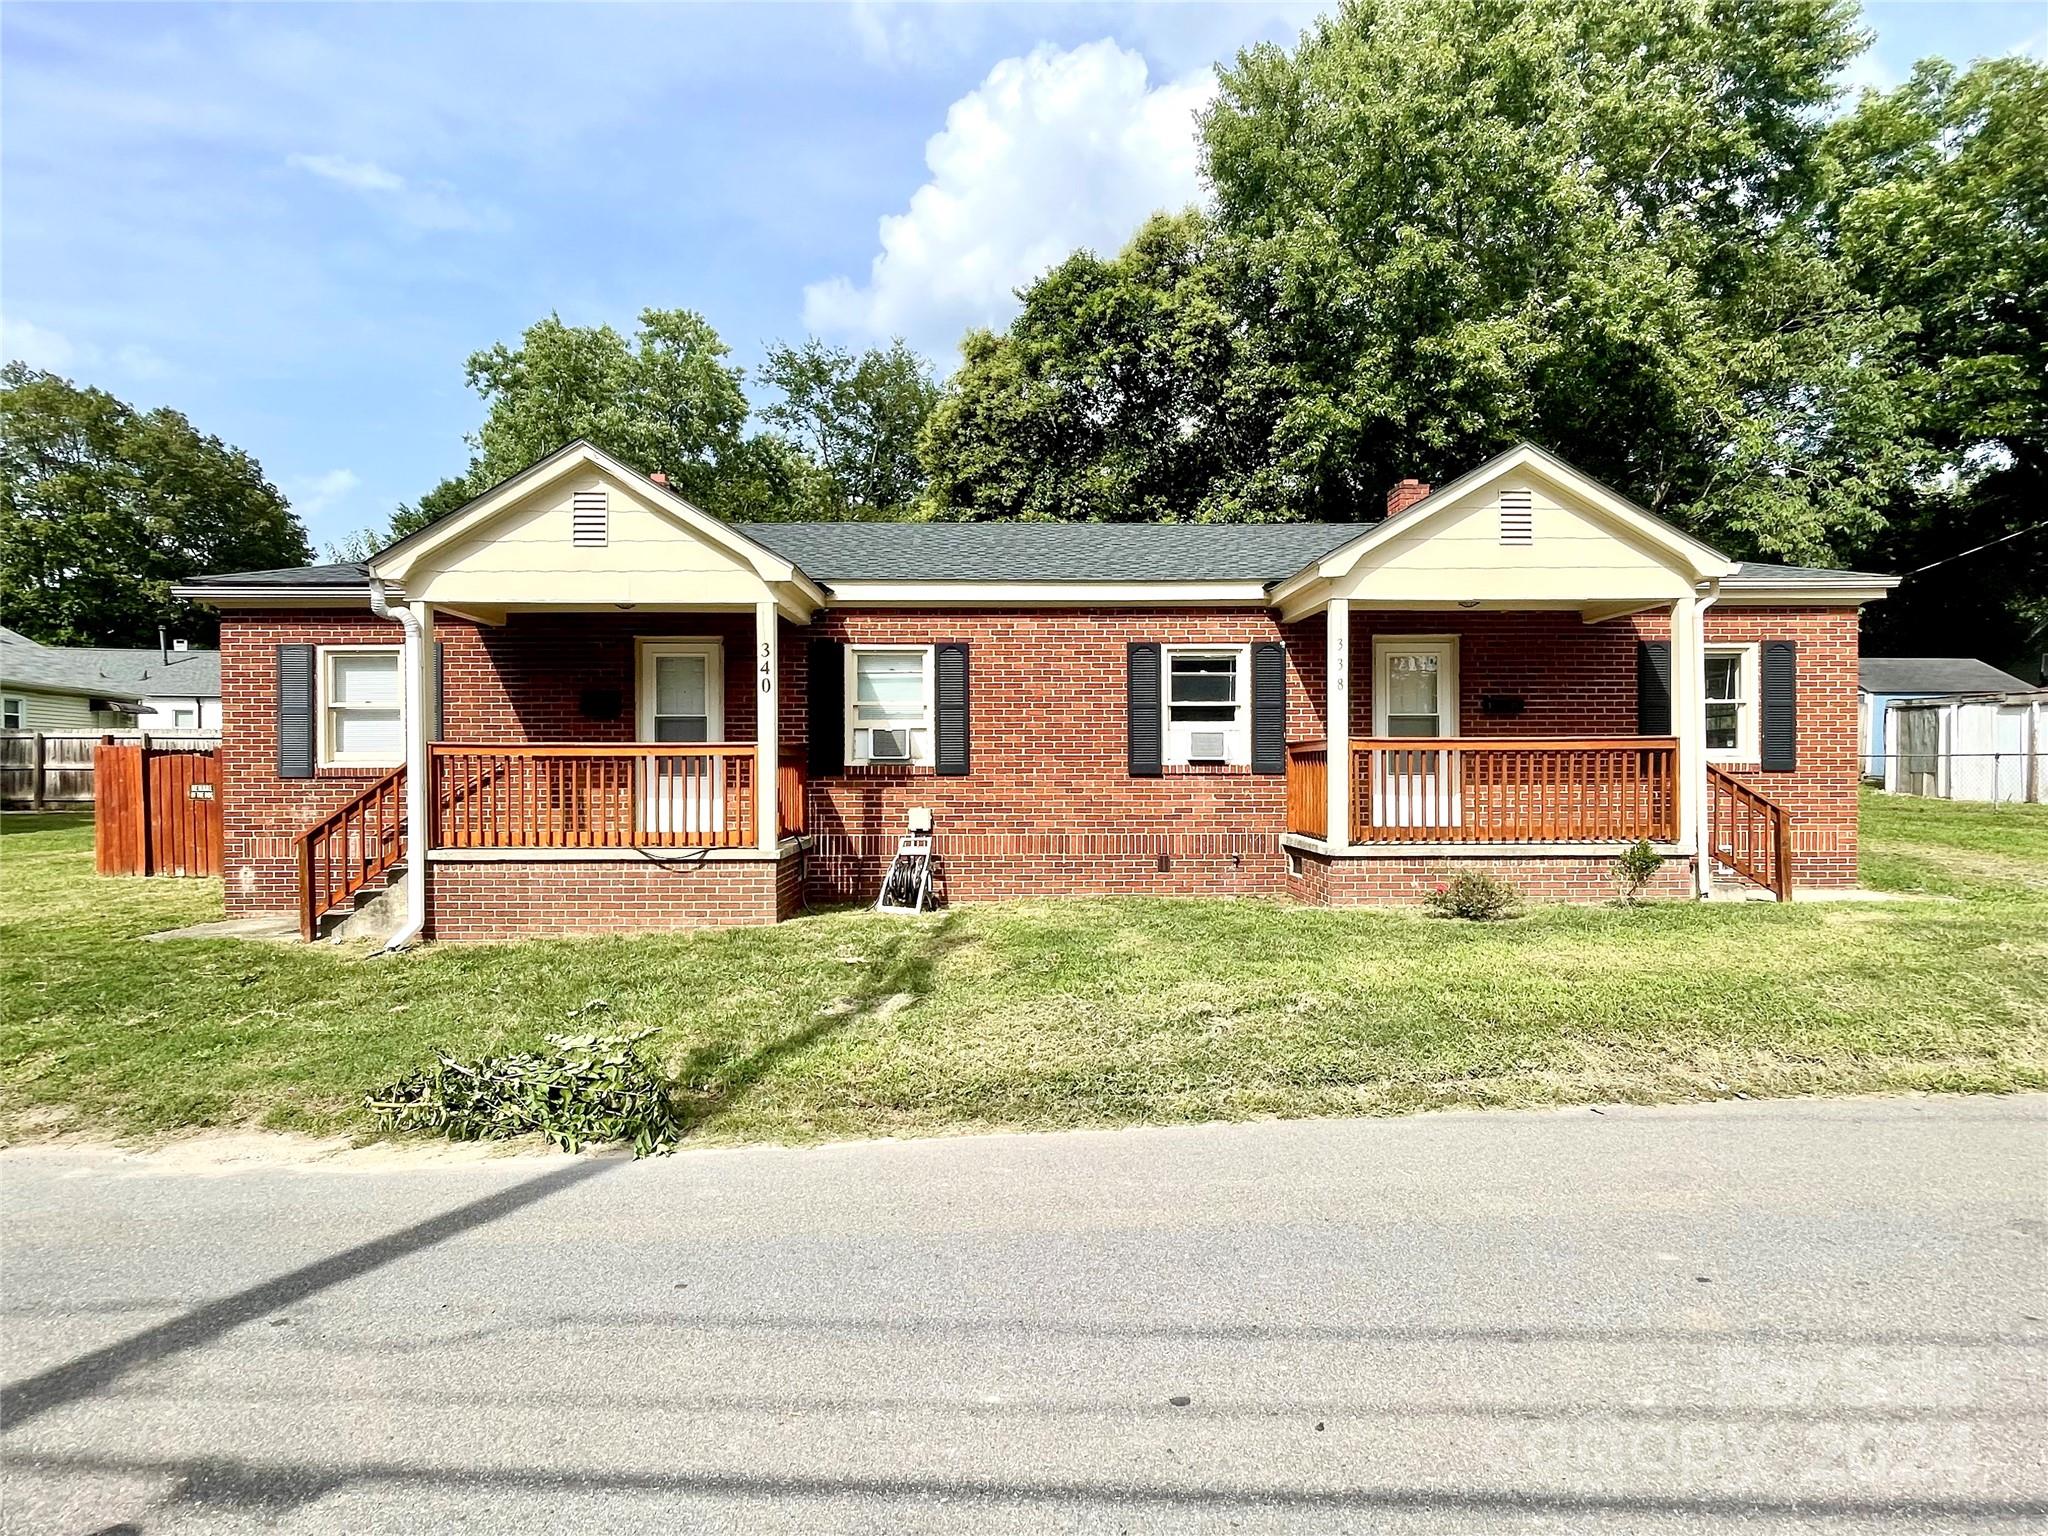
column 767, row 667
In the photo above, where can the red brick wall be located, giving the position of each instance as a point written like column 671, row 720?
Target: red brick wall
column 261, row 814
column 506, row 899
column 1050, row 805
column 1821, row 791
column 1553, row 877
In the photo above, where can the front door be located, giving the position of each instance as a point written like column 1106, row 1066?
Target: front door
column 1414, row 694
column 682, row 700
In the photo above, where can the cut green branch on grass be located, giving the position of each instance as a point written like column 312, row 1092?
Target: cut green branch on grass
column 1054, row 1013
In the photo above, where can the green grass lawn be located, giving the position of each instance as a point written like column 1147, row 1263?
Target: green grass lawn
column 1057, row 1013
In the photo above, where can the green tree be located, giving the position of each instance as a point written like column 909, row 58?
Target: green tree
column 104, row 508
column 1441, row 226
column 667, row 400
column 1939, row 210
column 852, row 422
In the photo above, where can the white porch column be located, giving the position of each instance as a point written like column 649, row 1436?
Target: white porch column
column 767, row 756
column 1689, row 725
column 421, row 705
column 1337, row 720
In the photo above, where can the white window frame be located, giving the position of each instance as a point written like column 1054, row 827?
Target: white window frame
column 1745, row 749
column 645, row 652
column 324, row 709
column 927, row 721
column 1175, row 738
column 1450, row 698
column 16, row 706
column 190, row 720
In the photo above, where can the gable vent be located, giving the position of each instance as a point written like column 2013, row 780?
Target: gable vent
column 1517, row 518
column 590, row 518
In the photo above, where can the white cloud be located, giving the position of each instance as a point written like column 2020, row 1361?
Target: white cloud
column 424, row 205
column 55, row 352
column 314, row 496
column 363, row 175
column 1053, row 151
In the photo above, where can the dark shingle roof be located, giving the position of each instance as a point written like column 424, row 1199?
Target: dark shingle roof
column 311, row 576
column 54, row 669
column 1926, row 675
column 1752, row 573
column 831, row 552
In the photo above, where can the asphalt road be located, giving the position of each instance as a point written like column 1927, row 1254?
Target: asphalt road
column 1754, row 1317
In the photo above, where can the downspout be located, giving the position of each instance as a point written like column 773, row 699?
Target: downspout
column 1703, row 858
column 415, row 772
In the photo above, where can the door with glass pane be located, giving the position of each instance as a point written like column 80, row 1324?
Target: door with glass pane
column 682, row 700
column 1415, row 694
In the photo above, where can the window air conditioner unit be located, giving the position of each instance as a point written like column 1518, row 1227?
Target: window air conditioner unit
column 1206, row 746
column 888, row 746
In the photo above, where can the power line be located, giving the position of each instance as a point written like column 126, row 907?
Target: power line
column 2002, row 538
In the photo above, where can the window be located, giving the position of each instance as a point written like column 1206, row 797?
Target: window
column 891, row 718
column 359, row 707
column 184, row 719
column 12, row 713
column 1731, row 703
column 1206, row 690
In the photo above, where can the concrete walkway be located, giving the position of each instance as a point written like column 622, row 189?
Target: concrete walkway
column 1754, row 1317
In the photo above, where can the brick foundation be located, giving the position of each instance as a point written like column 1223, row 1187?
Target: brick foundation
column 524, row 898
column 1582, row 878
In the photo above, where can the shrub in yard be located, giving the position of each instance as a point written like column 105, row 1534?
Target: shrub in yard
column 584, row 1088
column 1634, row 868
column 1472, row 895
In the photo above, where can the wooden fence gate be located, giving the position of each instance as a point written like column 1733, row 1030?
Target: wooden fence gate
column 156, row 812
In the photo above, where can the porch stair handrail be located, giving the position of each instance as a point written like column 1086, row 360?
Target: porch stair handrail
column 1749, row 832
column 352, row 845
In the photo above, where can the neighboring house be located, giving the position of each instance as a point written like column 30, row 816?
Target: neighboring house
column 1881, row 679
column 49, row 688
column 595, row 708
column 1972, row 746
column 178, row 684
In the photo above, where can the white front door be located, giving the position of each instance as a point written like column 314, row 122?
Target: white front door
column 682, row 700
column 1414, row 694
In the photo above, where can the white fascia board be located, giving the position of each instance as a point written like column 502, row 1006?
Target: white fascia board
column 1068, row 594
column 1816, row 595
column 281, row 597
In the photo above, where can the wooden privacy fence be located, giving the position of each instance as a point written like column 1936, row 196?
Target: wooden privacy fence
column 156, row 812
column 53, row 770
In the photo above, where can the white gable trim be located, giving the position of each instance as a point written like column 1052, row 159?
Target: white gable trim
column 577, row 458
column 1684, row 554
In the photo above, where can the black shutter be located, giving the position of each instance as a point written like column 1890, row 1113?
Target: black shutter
column 295, row 711
column 950, row 660
column 1780, row 690
column 1653, row 688
column 825, row 708
column 440, row 690
column 1144, row 710
column 1269, row 707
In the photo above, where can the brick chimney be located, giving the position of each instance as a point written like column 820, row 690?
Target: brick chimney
column 1405, row 495
column 659, row 479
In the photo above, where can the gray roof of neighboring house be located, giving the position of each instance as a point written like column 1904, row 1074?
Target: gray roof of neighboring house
column 54, row 669
column 192, row 674
column 829, row 552
column 1922, row 676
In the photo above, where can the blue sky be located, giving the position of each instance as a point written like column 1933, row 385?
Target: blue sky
column 295, row 222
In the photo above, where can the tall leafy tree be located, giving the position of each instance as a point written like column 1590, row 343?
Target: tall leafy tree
column 1939, row 210
column 104, row 508
column 853, row 421
column 1442, row 225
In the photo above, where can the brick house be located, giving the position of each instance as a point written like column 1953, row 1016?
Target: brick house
column 580, row 704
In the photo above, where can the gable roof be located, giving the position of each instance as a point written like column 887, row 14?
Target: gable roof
column 24, row 663
column 188, row 674
column 1927, row 675
column 1262, row 552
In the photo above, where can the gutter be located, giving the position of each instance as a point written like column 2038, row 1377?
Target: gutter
column 416, row 772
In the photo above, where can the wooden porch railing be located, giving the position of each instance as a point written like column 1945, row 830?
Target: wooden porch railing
column 1494, row 790
column 628, row 795
column 1308, row 787
column 1752, row 835
column 344, row 851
